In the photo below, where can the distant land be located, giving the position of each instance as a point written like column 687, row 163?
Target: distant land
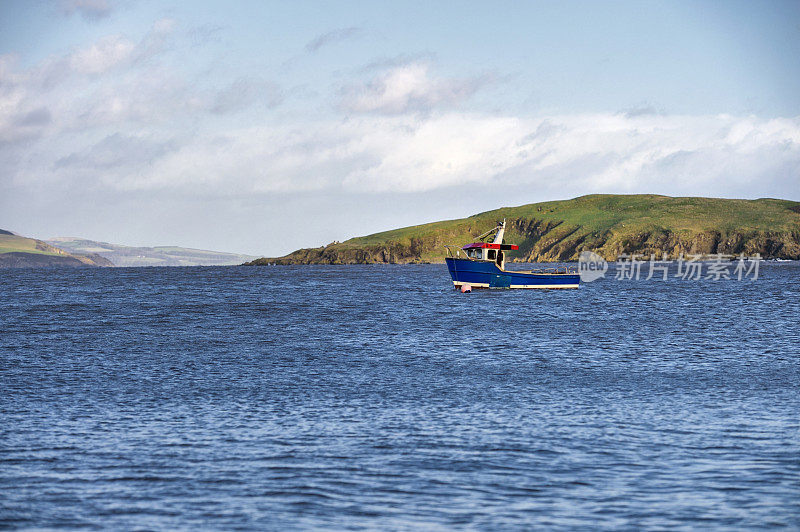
column 148, row 256
column 21, row 252
column 610, row 225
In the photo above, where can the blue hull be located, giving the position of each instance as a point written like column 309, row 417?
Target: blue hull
column 484, row 274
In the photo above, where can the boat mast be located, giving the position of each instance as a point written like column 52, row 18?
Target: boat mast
column 498, row 237
column 501, row 229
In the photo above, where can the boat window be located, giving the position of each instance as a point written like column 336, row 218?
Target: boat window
column 491, row 254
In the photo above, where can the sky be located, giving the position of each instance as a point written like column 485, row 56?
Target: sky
column 262, row 127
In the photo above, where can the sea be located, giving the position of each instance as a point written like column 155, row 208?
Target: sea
column 378, row 397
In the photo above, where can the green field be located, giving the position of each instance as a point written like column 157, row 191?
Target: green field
column 13, row 243
column 599, row 213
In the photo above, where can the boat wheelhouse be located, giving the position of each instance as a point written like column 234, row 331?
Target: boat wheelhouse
column 483, row 266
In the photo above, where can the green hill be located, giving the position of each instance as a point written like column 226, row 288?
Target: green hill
column 610, row 225
column 21, row 252
column 149, row 256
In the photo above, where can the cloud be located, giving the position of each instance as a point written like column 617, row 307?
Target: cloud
column 114, row 81
column 640, row 110
column 147, row 98
column 37, row 117
column 408, row 87
column 102, row 55
column 116, row 151
column 242, row 93
column 112, row 52
column 392, row 154
column 120, row 116
column 157, row 39
column 22, row 126
column 88, row 9
column 204, row 34
column 116, row 50
column 331, row 37
column 402, row 154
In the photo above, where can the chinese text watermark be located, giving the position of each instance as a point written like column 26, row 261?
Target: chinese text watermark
column 592, row 266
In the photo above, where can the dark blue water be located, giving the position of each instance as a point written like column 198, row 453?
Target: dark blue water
column 378, row 397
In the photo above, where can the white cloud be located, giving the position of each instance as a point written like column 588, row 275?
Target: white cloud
column 111, row 51
column 102, row 55
column 407, row 87
column 586, row 153
column 114, row 81
column 115, row 112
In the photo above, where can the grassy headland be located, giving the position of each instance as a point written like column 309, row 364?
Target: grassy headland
column 610, row 225
column 22, row 252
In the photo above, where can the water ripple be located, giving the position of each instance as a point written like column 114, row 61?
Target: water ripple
column 379, row 398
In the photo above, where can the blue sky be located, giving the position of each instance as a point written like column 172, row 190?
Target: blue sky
column 262, row 127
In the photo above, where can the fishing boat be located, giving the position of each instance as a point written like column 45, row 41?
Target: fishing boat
column 483, row 265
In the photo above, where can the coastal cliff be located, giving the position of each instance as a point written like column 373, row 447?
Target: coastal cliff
column 611, row 225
